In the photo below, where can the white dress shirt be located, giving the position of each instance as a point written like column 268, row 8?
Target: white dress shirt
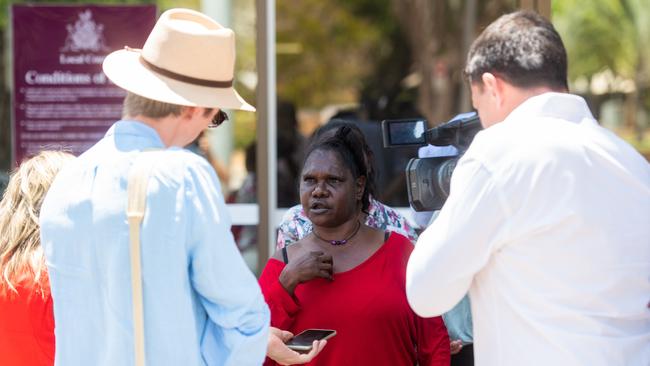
column 548, row 226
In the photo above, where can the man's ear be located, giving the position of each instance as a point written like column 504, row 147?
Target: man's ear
column 188, row 113
column 494, row 87
column 490, row 84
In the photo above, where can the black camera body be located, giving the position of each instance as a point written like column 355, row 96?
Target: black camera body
column 428, row 178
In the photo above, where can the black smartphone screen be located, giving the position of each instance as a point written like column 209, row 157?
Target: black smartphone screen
column 308, row 337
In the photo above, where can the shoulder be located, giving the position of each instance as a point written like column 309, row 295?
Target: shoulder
column 521, row 140
column 292, row 251
column 399, row 246
column 294, row 226
column 183, row 166
column 387, row 218
column 175, row 158
column 389, row 214
column 181, row 180
column 293, row 213
column 491, row 141
column 399, row 240
column 497, row 154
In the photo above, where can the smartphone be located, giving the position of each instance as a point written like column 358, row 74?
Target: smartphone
column 304, row 341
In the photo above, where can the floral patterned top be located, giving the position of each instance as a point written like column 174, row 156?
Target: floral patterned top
column 295, row 225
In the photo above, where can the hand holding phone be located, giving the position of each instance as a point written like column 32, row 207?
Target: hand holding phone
column 278, row 351
column 304, row 341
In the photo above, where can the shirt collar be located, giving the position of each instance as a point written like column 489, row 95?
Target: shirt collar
column 136, row 129
column 568, row 107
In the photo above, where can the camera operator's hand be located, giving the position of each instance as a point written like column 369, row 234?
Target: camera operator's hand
column 306, row 267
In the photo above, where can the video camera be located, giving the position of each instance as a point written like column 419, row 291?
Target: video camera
column 428, row 179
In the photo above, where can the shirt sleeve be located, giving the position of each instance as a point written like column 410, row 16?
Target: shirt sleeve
column 471, row 226
column 238, row 316
column 283, row 306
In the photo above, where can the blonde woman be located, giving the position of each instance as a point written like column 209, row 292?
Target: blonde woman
column 26, row 319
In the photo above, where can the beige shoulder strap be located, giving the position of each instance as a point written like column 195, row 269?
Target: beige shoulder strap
column 137, row 197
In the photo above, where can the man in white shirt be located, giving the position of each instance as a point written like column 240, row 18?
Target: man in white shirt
column 547, row 224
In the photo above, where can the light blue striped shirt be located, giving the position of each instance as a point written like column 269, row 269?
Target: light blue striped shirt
column 202, row 306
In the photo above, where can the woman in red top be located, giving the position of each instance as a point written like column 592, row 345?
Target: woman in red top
column 26, row 318
column 345, row 275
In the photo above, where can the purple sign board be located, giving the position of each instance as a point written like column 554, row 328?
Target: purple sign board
column 61, row 97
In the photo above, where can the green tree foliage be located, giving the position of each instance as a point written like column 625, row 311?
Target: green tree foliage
column 611, row 35
column 324, row 50
column 600, row 34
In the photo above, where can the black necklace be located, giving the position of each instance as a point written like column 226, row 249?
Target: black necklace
column 340, row 242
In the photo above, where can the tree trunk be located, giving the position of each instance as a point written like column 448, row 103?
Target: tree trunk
column 417, row 19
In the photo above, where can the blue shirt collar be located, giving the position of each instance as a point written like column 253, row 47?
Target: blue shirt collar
column 136, row 129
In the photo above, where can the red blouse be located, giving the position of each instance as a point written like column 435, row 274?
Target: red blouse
column 366, row 306
column 26, row 328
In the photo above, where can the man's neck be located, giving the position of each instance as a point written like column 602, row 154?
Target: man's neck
column 165, row 127
column 520, row 95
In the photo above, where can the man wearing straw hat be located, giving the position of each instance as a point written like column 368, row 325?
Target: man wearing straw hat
column 199, row 302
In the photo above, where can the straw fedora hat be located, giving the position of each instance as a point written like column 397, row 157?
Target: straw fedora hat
column 188, row 59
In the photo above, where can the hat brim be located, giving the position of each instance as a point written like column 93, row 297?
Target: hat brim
column 125, row 70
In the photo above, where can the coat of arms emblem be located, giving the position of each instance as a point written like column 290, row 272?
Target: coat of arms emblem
column 85, row 35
